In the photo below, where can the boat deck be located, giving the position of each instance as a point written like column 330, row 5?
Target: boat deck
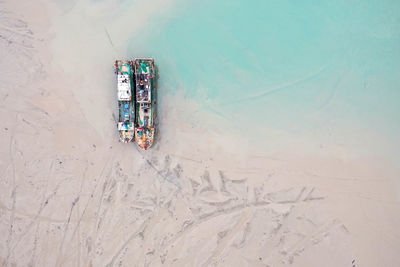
column 143, row 88
column 145, row 115
column 144, row 80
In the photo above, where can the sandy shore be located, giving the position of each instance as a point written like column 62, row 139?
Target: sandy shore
column 72, row 195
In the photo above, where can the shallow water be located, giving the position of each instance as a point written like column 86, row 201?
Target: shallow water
column 316, row 69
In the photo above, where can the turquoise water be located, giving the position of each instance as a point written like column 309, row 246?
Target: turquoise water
column 297, row 67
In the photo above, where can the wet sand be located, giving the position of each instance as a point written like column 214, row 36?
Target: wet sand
column 72, row 195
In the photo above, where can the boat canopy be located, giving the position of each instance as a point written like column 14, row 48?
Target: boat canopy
column 125, row 126
column 124, row 87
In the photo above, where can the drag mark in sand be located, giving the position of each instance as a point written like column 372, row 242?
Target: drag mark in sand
column 159, row 173
column 95, row 229
column 238, row 202
column 13, row 197
column 36, row 218
column 111, row 43
column 130, row 238
column 227, row 237
column 66, row 227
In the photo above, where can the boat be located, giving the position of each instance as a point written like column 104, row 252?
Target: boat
column 145, row 102
column 126, row 104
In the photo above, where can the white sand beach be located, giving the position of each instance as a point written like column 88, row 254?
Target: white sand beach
column 72, row 195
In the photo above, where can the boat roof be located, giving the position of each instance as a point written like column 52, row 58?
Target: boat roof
column 124, row 87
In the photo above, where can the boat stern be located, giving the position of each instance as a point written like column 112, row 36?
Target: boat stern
column 126, row 132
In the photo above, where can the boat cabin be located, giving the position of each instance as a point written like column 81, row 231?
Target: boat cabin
column 124, row 87
column 143, row 88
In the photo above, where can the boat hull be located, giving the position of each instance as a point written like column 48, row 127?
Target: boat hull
column 145, row 102
column 126, row 100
